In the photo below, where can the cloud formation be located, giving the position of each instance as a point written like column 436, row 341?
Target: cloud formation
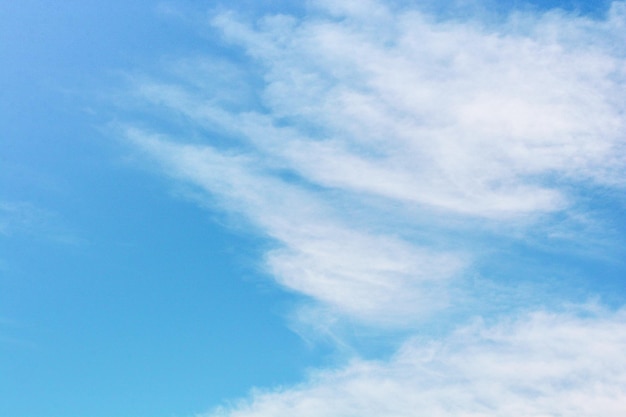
column 369, row 112
column 374, row 277
column 486, row 120
column 375, row 146
column 541, row 364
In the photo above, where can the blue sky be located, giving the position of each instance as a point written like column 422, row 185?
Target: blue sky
column 275, row 208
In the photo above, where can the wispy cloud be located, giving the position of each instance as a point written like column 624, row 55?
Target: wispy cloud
column 26, row 219
column 367, row 112
column 382, row 149
column 483, row 120
column 376, row 277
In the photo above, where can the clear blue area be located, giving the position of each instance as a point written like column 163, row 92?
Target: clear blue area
column 116, row 298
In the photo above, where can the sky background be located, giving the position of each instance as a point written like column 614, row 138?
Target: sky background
column 276, row 208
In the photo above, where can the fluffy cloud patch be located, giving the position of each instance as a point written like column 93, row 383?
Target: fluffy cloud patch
column 540, row 364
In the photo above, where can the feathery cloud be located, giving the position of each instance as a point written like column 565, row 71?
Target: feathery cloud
column 365, row 111
column 379, row 148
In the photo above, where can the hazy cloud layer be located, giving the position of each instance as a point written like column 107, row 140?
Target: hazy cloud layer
column 26, row 219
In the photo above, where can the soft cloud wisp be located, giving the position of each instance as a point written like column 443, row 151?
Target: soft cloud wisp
column 376, row 147
column 393, row 108
column 377, row 278
column 487, row 121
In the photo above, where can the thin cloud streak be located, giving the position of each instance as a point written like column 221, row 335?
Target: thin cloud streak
column 372, row 277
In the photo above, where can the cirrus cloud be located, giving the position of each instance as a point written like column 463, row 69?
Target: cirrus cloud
column 373, row 120
column 382, row 149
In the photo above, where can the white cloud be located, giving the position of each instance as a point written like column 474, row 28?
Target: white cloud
column 539, row 365
column 373, row 277
column 376, row 145
column 469, row 118
column 366, row 109
column 370, row 112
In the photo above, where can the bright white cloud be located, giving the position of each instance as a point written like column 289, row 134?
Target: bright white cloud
column 538, row 365
column 461, row 116
column 364, row 106
column 361, row 125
